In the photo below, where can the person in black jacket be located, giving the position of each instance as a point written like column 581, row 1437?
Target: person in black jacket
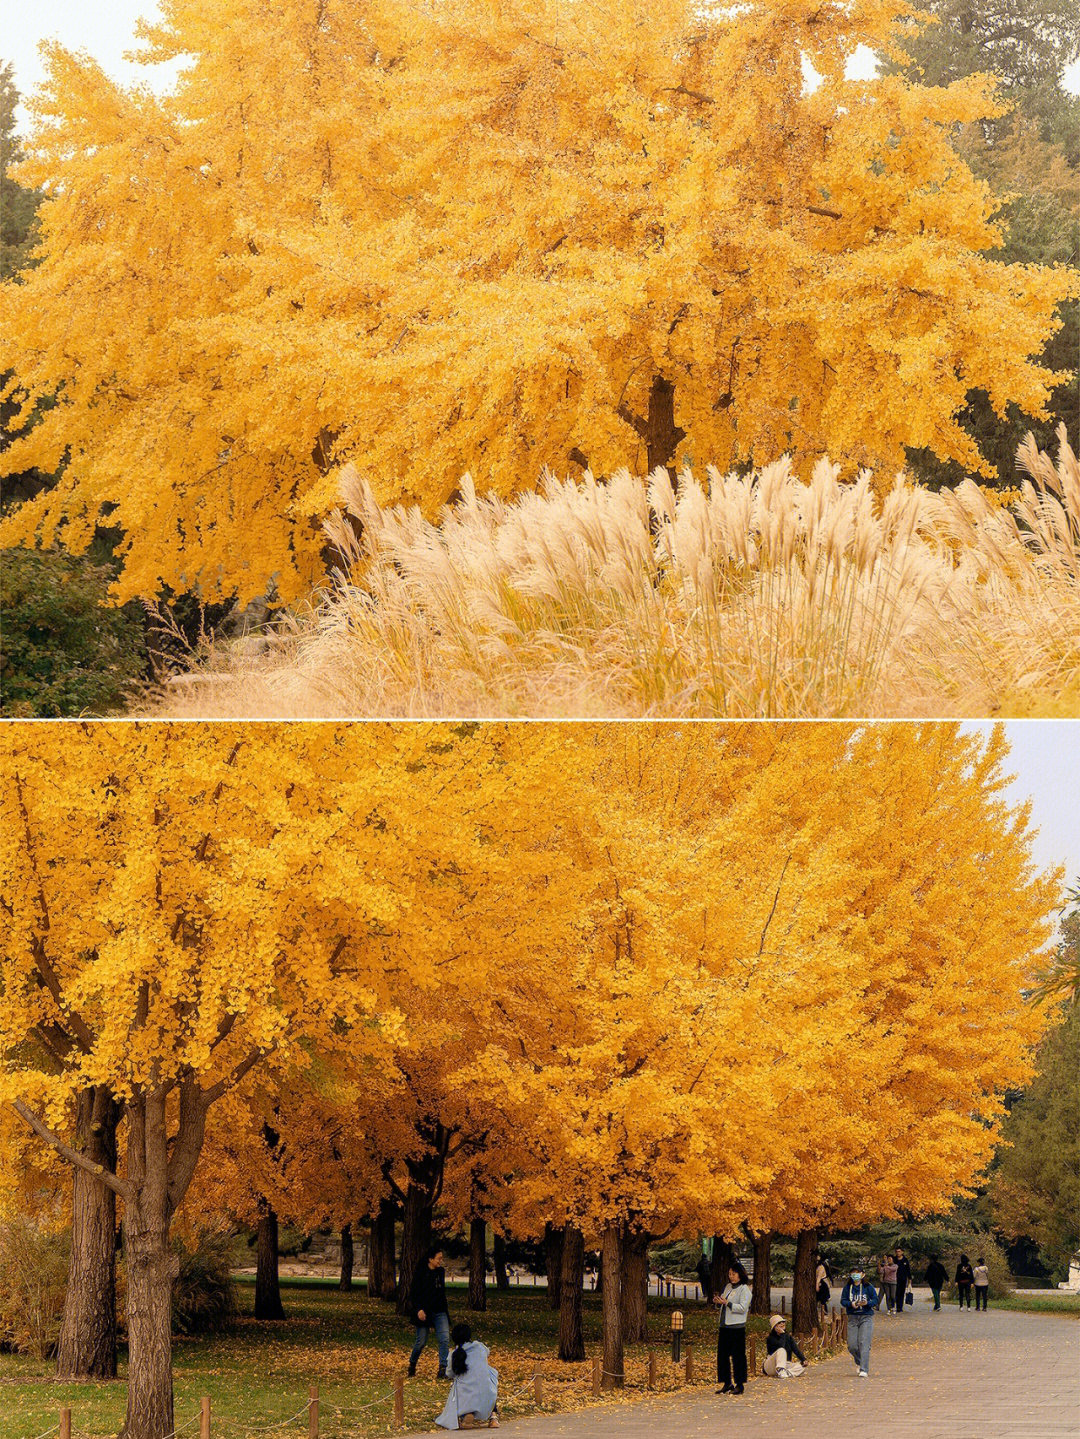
column 427, row 1307
column 784, row 1358
column 936, row 1276
column 965, row 1278
column 903, row 1279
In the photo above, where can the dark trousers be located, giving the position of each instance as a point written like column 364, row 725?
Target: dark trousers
column 731, row 1354
column 937, row 1296
column 981, row 1291
column 963, row 1295
column 901, row 1294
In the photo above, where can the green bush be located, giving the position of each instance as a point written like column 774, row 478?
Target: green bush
column 33, row 1277
column 204, row 1297
column 63, row 650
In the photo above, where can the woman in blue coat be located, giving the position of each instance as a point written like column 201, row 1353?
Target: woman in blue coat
column 474, row 1394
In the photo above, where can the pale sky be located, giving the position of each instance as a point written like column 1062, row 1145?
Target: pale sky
column 1045, row 757
column 105, row 28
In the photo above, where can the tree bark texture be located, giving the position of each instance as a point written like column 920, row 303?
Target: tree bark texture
column 553, row 1246
column 498, row 1256
column 267, row 1285
column 345, row 1282
column 803, row 1298
column 722, row 1255
column 761, row 1280
column 611, row 1307
column 87, row 1348
column 635, row 1289
column 477, row 1264
column 415, row 1239
column 571, row 1284
column 382, row 1268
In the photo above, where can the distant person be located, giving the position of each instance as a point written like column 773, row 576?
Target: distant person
column 982, row 1284
column 427, row 1306
column 785, row 1360
column 821, row 1285
column 936, row 1276
column 965, row 1278
column 704, row 1277
column 903, row 1279
column 734, row 1302
column 474, row 1393
column 858, row 1299
column 888, row 1283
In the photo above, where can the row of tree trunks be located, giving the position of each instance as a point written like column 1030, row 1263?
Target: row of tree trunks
column 803, row 1297
column 571, row 1284
column 87, row 1348
column 553, row 1247
column 477, row 1264
column 345, row 1281
column 267, row 1284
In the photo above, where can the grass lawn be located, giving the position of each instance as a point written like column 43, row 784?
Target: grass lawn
column 1027, row 1303
column 258, row 1373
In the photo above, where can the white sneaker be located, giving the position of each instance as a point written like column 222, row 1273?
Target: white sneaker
column 863, row 1374
column 782, row 1374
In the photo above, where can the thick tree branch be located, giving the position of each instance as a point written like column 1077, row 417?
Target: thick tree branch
column 626, row 414
column 234, row 1077
column 65, row 1151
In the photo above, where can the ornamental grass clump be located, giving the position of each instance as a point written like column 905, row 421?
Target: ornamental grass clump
column 746, row 595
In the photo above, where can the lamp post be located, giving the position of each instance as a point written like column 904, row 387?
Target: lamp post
column 676, row 1334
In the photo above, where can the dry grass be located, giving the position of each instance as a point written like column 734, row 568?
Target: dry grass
column 749, row 596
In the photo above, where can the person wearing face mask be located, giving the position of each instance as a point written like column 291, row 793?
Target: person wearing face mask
column 858, row 1301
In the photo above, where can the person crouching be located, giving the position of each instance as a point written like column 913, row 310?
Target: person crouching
column 785, row 1360
column 474, row 1393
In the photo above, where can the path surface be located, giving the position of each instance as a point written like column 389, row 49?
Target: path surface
column 951, row 1375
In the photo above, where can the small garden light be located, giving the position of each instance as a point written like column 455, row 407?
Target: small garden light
column 676, row 1334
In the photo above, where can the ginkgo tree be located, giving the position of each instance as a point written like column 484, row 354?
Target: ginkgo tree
column 439, row 239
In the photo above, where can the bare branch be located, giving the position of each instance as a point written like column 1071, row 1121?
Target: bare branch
column 65, row 1151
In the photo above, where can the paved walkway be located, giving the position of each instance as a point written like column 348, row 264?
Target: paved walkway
column 951, row 1375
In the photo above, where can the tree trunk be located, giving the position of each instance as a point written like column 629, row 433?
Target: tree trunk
column 611, row 1307
column 553, row 1247
column 761, row 1286
column 415, row 1240
column 345, row 1282
column 571, row 1283
column 267, row 1288
column 382, row 1269
column 477, row 1264
column 87, row 1348
column 803, row 1298
column 635, row 1289
column 498, row 1255
column 151, row 1268
column 662, row 435
column 722, row 1255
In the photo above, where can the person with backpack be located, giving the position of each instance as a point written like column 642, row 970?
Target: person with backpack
column 936, row 1276
column 784, row 1360
column 734, row 1304
column 474, row 1394
column 982, row 1284
column 965, row 1278
column 903, row 1279
column 427, row 1308
column 858, row 1299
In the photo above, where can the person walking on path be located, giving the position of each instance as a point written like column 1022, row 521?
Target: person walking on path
column 903, row 1279
column 888, row 1283
column 427, row 1305
column 858, row 1299
column 965, row 1278
column 982, row 1284
column 734, row 1305
column 474, row 1394
column 821, row 1285
column 936, row 1276
column 784, row 1360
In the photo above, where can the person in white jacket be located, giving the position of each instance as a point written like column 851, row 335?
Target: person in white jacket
column 474, row 1394
column 734, row 1304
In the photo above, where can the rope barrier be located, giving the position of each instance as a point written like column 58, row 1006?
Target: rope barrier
column 265, row 1428
column 45, row 1433
column 329, row 1404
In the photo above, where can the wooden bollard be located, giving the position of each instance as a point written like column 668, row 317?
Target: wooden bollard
column 65, row 1424
column 313, row 1412
column 652, row 1368
column 538, row 1390
column 783, row 1304
column 204, row 1417
column 689, row 1364
column 399, row 1401
column 597, row 1365
column 753, row 1354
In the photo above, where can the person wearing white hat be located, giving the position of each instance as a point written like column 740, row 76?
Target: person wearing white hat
column 785, row 1360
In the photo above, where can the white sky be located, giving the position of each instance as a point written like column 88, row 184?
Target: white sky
column 105, row 29
column 1045, row 757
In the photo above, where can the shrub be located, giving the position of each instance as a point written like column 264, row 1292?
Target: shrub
column 64, row 650
column 204, row 1296
column 33, row 1277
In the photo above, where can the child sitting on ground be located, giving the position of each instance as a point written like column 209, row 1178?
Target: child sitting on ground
column 785, row 1359
column 474, row 1394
